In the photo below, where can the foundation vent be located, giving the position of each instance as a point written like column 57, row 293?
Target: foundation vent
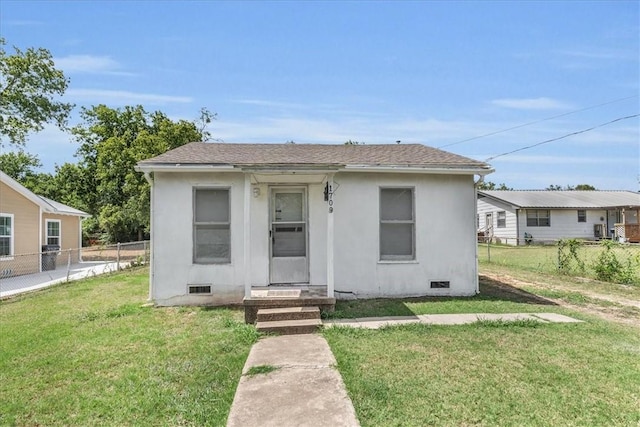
column 440, row 284
column 199, row 289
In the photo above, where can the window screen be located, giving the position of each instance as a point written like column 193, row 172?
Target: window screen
column 212, row 227
column 397, row 224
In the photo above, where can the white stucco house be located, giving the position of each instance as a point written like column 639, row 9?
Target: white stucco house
column 230, row 220
column 525, row 216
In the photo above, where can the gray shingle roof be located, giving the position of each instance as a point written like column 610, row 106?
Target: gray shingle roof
column 408, row 155
column 565, row 199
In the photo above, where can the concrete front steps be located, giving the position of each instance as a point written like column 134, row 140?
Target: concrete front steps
column 289, row 320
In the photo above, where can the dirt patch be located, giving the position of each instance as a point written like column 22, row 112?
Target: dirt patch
column 609, row 307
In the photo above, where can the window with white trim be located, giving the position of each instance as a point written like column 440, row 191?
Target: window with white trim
column 6, row 234
column 538, row 218
column 397, row 224
column 582, row 215
column 502, row 219
column 54, row 232
column 211, row 226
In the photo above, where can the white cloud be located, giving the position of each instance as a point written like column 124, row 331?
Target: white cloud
column 121, row 97
column 599, row 54
column 531, row 103
column 90, row 64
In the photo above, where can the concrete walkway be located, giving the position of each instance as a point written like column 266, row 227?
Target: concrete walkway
column 305, row 389
column 31, row 282
column 448, row 319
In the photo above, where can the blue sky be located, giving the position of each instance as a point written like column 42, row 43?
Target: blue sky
column 436, row 73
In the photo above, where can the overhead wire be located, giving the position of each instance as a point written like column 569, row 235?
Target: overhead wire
column 539, row 121
column 562, row 137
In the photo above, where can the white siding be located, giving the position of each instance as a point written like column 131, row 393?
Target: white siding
column 508, row 234
column 564, row 224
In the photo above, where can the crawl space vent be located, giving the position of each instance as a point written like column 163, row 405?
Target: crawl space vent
column 440, row 284
column 199, row 289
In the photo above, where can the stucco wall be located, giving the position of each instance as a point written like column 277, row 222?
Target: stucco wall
column 445, row 237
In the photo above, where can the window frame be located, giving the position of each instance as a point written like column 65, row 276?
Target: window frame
column 47, row 221
column 195, row 225
column 583, row 217
column 11, row 236
column 412, row 222
column 501, row 219
column 536, row 221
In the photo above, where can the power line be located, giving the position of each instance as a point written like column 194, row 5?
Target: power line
column 538, row 121
column 563, row 136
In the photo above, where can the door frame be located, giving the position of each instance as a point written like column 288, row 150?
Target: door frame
column 305, row 211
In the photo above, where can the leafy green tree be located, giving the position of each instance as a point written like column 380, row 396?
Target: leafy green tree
column 579, row 187
column 112, row 142
column 584, row 187
column 19, row 165
column 488, row 185
column 29, row 85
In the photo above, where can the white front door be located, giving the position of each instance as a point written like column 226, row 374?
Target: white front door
column 289, row 246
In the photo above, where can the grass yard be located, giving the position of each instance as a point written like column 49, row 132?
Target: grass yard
column 90, row 353
column 93, row 353
column 544, row 259
column 495, row 373
column 492, row 374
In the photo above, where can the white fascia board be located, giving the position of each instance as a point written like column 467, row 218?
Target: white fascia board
column 416, row 169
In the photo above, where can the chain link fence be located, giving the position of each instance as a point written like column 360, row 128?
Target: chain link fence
column 605, row 260
column 26, row 272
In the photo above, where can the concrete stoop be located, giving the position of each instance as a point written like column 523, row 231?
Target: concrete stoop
column 289, row 320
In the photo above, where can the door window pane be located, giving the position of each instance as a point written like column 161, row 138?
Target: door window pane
column 288, row 207
column 289, row 240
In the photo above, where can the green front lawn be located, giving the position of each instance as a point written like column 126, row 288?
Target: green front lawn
column 90, row 353
column 492, row 374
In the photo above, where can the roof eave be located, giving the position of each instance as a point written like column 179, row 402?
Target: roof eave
column 426, row 169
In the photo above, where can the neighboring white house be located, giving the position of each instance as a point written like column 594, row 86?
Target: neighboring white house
column 506, row 216
column 357, row 220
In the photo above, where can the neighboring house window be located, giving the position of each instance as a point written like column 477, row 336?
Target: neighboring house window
column 211, row 226
column 6, row 234
column 538, row 218
column 582, row 215
column 502, row 219
column 53, row 232
column 397, row 224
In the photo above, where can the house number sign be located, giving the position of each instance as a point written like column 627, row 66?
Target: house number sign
column 328, row 196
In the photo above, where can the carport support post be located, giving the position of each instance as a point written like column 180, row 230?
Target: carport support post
column 247, row 235
column 330, row 208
